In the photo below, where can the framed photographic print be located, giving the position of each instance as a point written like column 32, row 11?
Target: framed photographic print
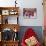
column 5, row 12
column 29, row 12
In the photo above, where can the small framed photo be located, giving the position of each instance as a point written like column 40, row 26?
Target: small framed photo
column 5, row 12
column 30, row 12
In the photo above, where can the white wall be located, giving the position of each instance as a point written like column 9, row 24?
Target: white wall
column 7, row 3
column 27, row 4
column 32, row 22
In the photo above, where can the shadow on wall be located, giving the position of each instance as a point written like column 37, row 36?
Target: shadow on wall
column 37, row 29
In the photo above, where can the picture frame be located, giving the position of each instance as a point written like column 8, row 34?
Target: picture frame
column 29, row 13
column 5, row 12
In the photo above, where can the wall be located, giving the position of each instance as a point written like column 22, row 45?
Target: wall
column 28, row 22
column 7, row 3
column 27, row 4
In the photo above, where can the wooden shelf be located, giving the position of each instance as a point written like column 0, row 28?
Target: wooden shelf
column 9, row 8
column 9, row 43
column 11, row 26
column 4, row 24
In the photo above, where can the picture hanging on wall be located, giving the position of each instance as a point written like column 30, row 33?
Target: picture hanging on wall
column 30, row 13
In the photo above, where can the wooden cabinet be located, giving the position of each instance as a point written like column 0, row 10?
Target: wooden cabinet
column 9, row 26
